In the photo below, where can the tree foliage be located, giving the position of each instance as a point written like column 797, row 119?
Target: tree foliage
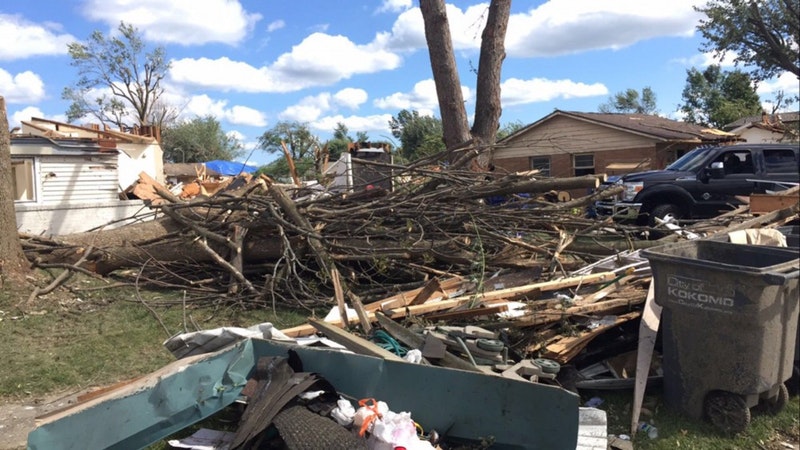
column 715, row 97
column 509, row 129
column 117, row 75
column 339, row 143
column 631, row 102
column 764, row 34
column 299, row 140
column 419, row 135
column 199, row 140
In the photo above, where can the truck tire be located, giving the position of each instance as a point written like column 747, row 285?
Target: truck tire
column 663, row 211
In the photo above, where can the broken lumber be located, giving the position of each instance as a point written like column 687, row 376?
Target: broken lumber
column 352, row 342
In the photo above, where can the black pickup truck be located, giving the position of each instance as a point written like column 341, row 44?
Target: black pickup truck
column 704, row 183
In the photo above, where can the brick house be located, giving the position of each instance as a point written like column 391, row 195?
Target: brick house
column 568, row 143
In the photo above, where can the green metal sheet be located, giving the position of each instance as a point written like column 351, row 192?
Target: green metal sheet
column 460, row 404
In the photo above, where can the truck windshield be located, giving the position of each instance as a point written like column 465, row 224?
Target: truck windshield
column 690, row 162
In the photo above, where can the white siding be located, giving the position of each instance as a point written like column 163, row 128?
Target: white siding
column 51, row 220
column 78, row 179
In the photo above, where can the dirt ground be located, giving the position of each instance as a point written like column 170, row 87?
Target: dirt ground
column 17, row 419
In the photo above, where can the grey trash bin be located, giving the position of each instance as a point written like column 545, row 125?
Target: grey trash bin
column 729, row 320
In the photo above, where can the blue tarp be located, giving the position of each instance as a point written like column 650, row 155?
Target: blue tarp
column 230, row 167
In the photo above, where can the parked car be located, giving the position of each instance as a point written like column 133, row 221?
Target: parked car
column 704, row 182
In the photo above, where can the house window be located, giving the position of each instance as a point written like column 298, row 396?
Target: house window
column 542, row 164
column 584, row 164
column 22, row 176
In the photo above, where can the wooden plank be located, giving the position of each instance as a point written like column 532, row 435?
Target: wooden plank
column 467, row 313
column 648, row 328
column 426, row 293
column 447, row 286
column 352, row 342
column 764, row 203
column 552, row 285
column 363, row 317
column 338, row 294
column 307, row 329
column 551, row 316
column 565, row 349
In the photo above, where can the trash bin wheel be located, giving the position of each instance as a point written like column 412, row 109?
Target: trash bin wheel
column 727, row 411
column 776, row 403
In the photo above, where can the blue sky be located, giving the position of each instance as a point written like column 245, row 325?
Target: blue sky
column 253, row 63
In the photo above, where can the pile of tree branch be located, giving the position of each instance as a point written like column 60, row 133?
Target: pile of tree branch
column 259, row 243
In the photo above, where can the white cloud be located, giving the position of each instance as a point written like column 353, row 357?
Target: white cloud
column 560, row 27
column 225, row 75
column 185, row 22
column 24, row 114
column 320, row 59
column 378, row 124
column 25, row 87
column 244, row 115
column 556, row 27
column 786, row 82
column 316, row 61
column 517, row 92
column 308, row 108
column 275, row 25
column 351, row 97
column 236, row 135
column 22, row 39
column 394, row 6
column 203, row 105
column 707, row 59
column 422, row 98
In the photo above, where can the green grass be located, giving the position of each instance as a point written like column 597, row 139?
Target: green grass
column 67, row 342
column 676, row 431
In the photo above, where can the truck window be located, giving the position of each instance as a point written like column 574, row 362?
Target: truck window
column 690, row 161
column 780, row 161
column 740, row 161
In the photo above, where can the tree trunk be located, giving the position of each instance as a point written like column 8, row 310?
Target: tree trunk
column 445, row 73
column 134, row 245
column 487, row 103
column 448, row 87
column 13, row 264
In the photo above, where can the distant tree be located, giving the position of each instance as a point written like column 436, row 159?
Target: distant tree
column 362, row 136
column 763, row 33
column 13, row 264
column 419, row 135
column 279, row 169
column 338, row 144
column 630, row 102
column 297, row 136
column 714, row 97
column 509, row 129
column 199, row 140
column 122, row 66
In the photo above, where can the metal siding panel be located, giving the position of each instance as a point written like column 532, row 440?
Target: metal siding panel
column 82, row 179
